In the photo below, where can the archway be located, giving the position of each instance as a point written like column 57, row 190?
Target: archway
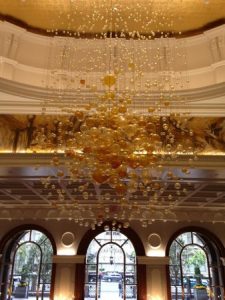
column 26, row 265
column 111, row 268
column 195, row 269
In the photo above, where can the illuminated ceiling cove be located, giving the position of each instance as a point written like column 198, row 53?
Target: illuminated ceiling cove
column 126, row 16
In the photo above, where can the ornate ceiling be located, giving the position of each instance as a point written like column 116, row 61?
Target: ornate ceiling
column 143, row 16
column 28, row 74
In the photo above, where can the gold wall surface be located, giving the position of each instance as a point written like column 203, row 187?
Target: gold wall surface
column 18, row 133
column 143, row 16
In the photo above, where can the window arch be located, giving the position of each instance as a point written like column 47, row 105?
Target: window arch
column 83, row 249
column 111, row 267
column 26, row 265
column 195, row 267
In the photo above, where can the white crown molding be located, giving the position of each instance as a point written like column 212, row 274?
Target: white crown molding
column 34, row 50
column 25, row 71
column 18, row 98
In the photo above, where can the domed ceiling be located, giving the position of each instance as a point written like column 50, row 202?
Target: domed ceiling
column 97, row 16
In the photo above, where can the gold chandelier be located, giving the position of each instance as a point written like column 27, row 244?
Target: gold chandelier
column 107, row 140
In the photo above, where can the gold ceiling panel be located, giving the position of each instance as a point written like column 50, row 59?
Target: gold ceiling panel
column 18, row 133
column 118, row 15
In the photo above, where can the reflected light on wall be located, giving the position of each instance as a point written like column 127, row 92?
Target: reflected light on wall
column 154, row 297
column 66, row 251
column 63, row 297
column 156, row 252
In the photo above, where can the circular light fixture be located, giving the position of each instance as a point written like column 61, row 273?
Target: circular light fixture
column 67, row 239
column 154, row 240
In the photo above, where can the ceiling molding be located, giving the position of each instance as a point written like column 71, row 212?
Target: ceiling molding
column 21, row 98
column 29, row 49
column 44, row 159
column 26, row 69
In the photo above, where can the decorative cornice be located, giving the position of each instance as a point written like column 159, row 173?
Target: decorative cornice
column 204, row 54
column 43, row 159
column 26, row 99
column 33, row 92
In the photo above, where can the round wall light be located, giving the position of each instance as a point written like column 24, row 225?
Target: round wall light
column 67, row 239
column 154, row 240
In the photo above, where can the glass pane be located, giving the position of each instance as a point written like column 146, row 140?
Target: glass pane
column 110, row 289
column 129, row 252
column 176, row 282
column 197, row 239
column 91, row 267
column 130, row 291
column 111, row 254
column 130, row 274
column 26, row 270
column 176, row 292
column 114, row 274
column 184, row 238
column 92, row 252
column 130, row 268
column 175, row 275
column 174, row 253
column 195, row 272
column 118, row 238
column 37, row 236
column 194, row 263
column 111, row 263
column 45, row 279
column 90, row 290
column 90, row 274
column 213, row 279
column 47, row 251
column 104, row 237
column 44, row 289
column 25, row 238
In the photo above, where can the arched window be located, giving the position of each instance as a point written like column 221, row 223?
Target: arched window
column 26, row 266
column 195, row 268
column 111, row 267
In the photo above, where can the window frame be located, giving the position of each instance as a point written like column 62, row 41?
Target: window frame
column 8, row 247
column 111, row 241
column 215, row 250
column 82, row 250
